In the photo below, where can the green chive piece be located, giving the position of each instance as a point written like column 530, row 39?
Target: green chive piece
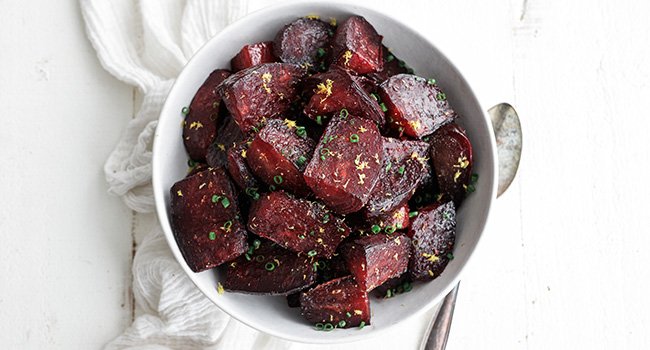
column 319, row 120
column 408, row 286
column 470, row 188
column 301, row 236
column 277, row 179
column 321, row 264
column 225, row 202
column 441, row 96
column 389, row 229
column 301, row 160
column 426, row 139
column 248, row 257
column 446, row 215
column 389, row 165
column 375, row 229
column 311, row 233
column 401, row 63
column 311, row 253
column 215, row 198
column 431, row 81
column 344, row 113
column 348, row 314
column 191, row 163
column 321, row 52
column 375, row 96
column 272, row 188
column 383, row 107
column 212, row 235
column 389, row 293
column 342, row 323
column 413, row 214
column 326, row 218
column 256, row 244
column 185, row 110
column 389, row 58
column 410, row 70
column 259, row 258
column 300, row 131
column 474, row 178
column 450, row 256
column 354, row 138
column 328, row 327
column 255, row 129
column 319, row 326
column 315, row 266
column 269, row 266
column 362, row 324
column 227, row 225
column 252, row 192
column 401, row 169
column 322, row 157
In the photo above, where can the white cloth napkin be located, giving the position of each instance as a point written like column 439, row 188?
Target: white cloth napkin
column 146, row 43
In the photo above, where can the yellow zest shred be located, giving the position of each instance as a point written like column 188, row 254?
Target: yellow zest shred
column 220, row 289
column 431, row 257
column 312, row 17
column 196, row 125
column 430, row 273
column 221, row 147
column 290, row 123
column 415, row 124
column 243, row 153
column 324, row 89
column 333, row 21
column 462, row 162
column 359, row 164
column 347, row 55
column 456, row 175
column 362, row 129
column 266, row 78
column 361, row 179
column 358, row 312
column 179, row 193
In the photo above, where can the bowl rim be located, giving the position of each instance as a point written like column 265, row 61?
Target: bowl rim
column 159, row 197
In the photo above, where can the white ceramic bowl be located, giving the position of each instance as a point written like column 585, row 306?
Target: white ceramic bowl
column 271, row 314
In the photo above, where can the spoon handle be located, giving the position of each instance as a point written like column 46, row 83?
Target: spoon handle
column 439, row 326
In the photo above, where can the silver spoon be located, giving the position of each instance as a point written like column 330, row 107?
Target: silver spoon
column 507, row 130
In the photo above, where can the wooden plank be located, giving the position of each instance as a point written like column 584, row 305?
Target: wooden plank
column 66, row 245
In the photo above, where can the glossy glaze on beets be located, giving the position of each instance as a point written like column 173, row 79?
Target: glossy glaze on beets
column 252, row 55
column 331, row 302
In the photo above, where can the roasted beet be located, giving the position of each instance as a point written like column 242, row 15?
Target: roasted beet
column 416, row 107
column 432, row 232
column 404, row 168
column 239, row 170
column 335, row 90
column 330, row 304
column 228, row 135
column 395, row 220
column 200, row 125
column 270, row 270
column 261, row 92
column 374, row 259
column 346, row 164
column 357, row 46
column 302, row 41
column 451, row 155
column 392, row 66
column 204, row 219
column 252, row 55
column 279, row 154
column 297, row 224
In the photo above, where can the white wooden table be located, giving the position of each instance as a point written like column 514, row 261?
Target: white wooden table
column 564, row 263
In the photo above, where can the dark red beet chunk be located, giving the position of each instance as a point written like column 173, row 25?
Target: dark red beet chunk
column 451, row 155
column 228, row 135
column 415, row 107
column 395, row 220
column 392, row 66
column 335, row 90
column 357, row 46
column 404, row 168
column 433, row 233
column 261, row 92
column 331, row 302
column 252, row 55
column 200, row 125
column 374, row 259
column 271, row 270
column 239, row 170
column 297, row 224
column 279, row 154
column 204, row 219
column 299, row 41
column 346, row 164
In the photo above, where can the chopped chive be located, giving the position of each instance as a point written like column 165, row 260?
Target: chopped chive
column 301, row 236
column 426, row 139
column 362, row 324
column 319, row 326
column 315, row 266
column 252, row 192
column 272, row 188
column 269, row 266
column 399, row 225
column 255, row 129
column 470, row 188
column 256, row 244
column 389, row 293
column 389, row 229
column 311, row 253
column 300, row 131
column 321, row 52
column 348, row 314
column 344, row 113
column 326, row 218
column 321, row 264
column 441, row 96
column 342, row 323
column 277, row 179
column 410, row 70
column 450, row 256
column 225, row 202
column 328, row 327
column 383, row 107
column 389, row 58
column 375, row 229
column 413, row 214
column 401, row 169
column 259, row 258
column 215, row 198
column 212, row 235
column 389, row 165
column 407, row 286
column 446, row 215
column 248, row 257
column 375, row 96
column 474, row 178
column 401, row 63
column 185, row 110
column 227, row 225
column 191, row 163
column 319, row 120
column 431, row 81
column 354, row 138
column 311, row 233
column 301, row 160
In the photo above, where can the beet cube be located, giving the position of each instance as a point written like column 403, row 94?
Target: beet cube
column 404, row 168
column 228, row 135
column 433, row 233
column 346, row 164
column 279, row 154
column 204, row 219
column 416, row 107
column 374, row 259
column 392, row 66
column 388, row 222
column 335, row 90
column 239, row 170
column 252, row 55
column 451, row 155
column 269, row 270
column 261, row 92
column 302, row 41
column 357, row 46
column 297, row 224
column 200, row 125
column 332, row 302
